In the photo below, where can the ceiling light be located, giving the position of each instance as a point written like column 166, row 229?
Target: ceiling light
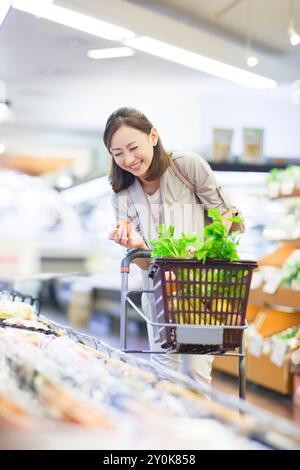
column 74, row 20
column 110, row 52
column 4, row 7
column 2, row 148
column 252, row 61
column 199, row 62
column 294, row 38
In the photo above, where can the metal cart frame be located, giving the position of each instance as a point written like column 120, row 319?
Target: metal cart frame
column 184, row 333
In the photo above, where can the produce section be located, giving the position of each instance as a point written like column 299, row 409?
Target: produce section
column 284, row 182
column 274, row 303
column 58, row 383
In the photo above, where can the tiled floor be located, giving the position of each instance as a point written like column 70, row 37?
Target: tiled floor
column 267, row 400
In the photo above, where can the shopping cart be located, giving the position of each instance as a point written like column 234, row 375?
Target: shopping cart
column 201, row 307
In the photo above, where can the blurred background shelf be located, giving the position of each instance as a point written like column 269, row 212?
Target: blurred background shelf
column 263, row 166
column 283, row 297
column 295, row 193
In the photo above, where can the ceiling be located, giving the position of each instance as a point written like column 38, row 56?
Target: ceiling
column 51, row 82
column 270, row 19
column 53, row 85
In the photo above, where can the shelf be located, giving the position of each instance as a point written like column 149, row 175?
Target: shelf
column 283, row 297
column 261, row 371
column 295, row 193
column 263, row 166
column 278, row 257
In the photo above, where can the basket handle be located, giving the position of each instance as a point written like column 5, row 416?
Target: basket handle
column 152, row 270
column 132, row 255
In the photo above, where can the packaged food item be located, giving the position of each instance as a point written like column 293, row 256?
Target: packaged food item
column 222, row 139
column 253, row 143
column 11, row 309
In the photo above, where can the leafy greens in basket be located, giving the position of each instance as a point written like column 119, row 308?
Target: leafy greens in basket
column 217, row 243
column 192, row 294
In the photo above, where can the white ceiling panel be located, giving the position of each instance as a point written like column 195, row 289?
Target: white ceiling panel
column 51, row 82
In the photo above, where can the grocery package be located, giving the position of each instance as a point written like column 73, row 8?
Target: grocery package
column 277, row 346
column 291, row 271
column 271, row 278
column 287, row 225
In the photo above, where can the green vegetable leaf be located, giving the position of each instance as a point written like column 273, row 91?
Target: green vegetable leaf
column 217, row 243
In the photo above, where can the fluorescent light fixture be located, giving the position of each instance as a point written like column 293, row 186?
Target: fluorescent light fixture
column 252, row 61
column 294, row 38
column 110, row 53
column 4, row 7
column 2, row 148
column 73, row 19
column 199, row 62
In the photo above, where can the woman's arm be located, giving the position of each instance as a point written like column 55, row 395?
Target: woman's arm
column 142, row 262
column 123, row 232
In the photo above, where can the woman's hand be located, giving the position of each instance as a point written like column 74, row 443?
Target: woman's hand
column 124, row 234
column 230, row 227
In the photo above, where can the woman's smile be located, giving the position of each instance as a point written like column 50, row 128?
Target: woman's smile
column 136, row 165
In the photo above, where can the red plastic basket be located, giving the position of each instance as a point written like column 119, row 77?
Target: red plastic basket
column 189, row 292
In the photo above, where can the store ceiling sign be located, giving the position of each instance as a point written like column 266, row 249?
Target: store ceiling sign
column 19, row 258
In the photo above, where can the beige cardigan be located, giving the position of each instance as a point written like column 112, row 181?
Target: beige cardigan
column 180, row 207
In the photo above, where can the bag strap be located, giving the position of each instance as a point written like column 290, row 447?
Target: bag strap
column 182, row 178
column 235, row 227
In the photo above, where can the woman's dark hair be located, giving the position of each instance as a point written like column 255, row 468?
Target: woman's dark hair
column 119, row 178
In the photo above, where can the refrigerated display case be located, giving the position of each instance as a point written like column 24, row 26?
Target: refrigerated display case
column 61, row 389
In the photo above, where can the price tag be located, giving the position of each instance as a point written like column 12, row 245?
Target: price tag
column 279, row 350
column 255, row 344
column 19, row 257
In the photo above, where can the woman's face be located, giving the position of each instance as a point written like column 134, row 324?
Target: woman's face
column 132, row 149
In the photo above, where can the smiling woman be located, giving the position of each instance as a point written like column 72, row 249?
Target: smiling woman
column 136, row 149
column 152, row 187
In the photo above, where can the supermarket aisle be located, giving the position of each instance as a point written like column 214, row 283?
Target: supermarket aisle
column 265, row 399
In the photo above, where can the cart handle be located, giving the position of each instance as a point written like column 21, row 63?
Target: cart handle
column 131, row 255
